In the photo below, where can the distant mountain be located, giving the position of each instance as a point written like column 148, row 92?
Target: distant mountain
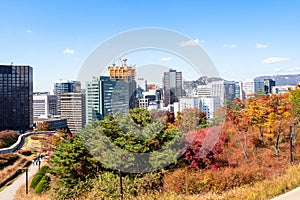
column 204, row 80
column 282, row 80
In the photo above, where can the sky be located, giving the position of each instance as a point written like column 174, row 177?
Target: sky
column 243, row 38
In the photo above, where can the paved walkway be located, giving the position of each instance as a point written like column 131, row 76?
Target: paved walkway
column 9, row 192
column 291, row 195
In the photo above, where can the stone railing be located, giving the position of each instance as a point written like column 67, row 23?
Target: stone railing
column 20, row 142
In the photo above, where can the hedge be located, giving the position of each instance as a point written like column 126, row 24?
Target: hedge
column 42, row 185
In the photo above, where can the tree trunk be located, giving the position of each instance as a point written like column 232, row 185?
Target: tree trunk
column 277, row 144
column 261, row 130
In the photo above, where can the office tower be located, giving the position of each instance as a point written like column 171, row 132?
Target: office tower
column 66, row 86
column 229, row 90
column 218, row 90
column 259, row 85
column 73, row 109
column 248, row 88
column 63, row 87
column 44, row 105
column 239, row 90
column 269, row 84
column 172, row 86
column 106, row 96
column 125, row 74
column 16, row 87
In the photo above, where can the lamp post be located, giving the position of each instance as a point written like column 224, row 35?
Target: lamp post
column 26, row 178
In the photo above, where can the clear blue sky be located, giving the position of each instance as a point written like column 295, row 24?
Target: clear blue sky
column 244, row 38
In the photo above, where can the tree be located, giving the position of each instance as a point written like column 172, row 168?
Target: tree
column 240, row 121
column 204, row 147
column 44, row 126
column 278, row 115
column 295, row 103
column 257, row 112
column 191, row 119
column 129, row 136
column 72, row 162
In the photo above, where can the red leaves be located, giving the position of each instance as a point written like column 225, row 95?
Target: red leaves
column 203, row 146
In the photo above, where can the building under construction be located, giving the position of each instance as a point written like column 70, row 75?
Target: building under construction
column 123, row 72
column 126, row 74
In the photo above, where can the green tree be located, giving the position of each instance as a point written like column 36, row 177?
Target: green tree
column 72, row 162
column 295, row 102
column 127, row 137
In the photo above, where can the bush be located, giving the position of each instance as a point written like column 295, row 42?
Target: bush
column 42, row 185
column 195, row 182
column 25, row 152
column 36, row 179
column 44, row 170
column 106, row 186
column 7, row 138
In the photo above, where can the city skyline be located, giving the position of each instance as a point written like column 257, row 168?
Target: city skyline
column 249, row 38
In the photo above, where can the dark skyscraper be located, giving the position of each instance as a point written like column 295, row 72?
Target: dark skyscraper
column 172, row 86
column 16, row 93
column 269, row 84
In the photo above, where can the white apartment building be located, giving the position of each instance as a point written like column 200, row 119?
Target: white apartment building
column 209, row 105
column 248, row 87
column 44, row 105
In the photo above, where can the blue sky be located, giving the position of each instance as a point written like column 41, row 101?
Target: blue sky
column 243, row 38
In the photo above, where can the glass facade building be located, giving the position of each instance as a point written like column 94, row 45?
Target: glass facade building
column 172, row 86
column 16, row 90
column 106, row 96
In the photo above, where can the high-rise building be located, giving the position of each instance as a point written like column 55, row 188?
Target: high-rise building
column 248, row 88
column 73, row 109
column 105, row 96
column 63, row 87
column 229, row 90
column 126, row 74
column 16, row 85
column 259, row 85
column 172, row 86
column 44, row 105
column 269, row 84
column 218, row 90
column 239, row 90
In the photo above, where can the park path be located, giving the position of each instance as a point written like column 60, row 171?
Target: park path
column 10, row 191
column 291, row 195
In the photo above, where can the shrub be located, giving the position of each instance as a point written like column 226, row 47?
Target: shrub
column 201, row 181
column 7, row 138
column 24, row 152
column 44, row 170
column 106, row 186
column 36, row 179
column 42, row 185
